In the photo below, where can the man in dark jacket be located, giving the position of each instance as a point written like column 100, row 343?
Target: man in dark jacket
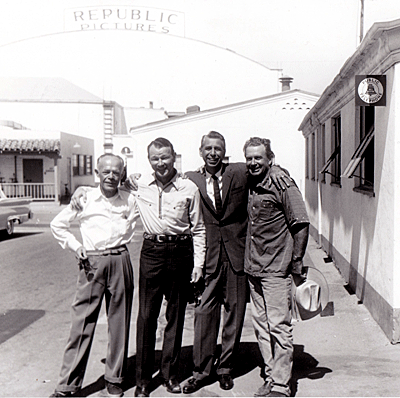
column 224, row 195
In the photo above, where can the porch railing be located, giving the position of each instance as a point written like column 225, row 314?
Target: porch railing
column 37, row 191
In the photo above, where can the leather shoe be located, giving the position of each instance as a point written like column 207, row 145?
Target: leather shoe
column 226, row 382
column 172, row 386
column 276, row 394
column 141, row 392
column 192, row 385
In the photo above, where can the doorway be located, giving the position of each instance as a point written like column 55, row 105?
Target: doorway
column 33, row 170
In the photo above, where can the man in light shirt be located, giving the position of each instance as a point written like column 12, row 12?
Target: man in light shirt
column 172, row 256
column 107, row 221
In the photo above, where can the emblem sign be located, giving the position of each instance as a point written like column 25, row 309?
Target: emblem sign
column 370, row 90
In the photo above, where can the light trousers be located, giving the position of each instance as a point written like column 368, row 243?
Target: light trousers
column 111, row 276
column 271, row 316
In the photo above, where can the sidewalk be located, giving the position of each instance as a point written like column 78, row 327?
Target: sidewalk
column 346, row 354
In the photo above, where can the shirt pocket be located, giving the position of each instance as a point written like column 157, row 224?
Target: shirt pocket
column 266, row 210
column 180, row 209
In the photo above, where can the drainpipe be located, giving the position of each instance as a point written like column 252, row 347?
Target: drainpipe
column 56, row 184
column 15, row 169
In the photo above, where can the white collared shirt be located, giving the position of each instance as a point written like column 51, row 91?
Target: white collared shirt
column 104, row 222
column 172, row 209
column 210, row 185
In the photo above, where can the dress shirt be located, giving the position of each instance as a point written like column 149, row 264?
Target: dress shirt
column 104, row 222
column 172, row 209
column 210, row 185
column 272, row 214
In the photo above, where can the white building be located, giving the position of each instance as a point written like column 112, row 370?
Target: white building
column 353, row 175
column 276, row 117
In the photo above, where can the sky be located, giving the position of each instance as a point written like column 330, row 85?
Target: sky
column 308, row 40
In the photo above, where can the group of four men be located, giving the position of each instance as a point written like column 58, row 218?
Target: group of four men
column 226, row 223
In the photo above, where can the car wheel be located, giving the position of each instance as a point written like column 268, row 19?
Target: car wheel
column 10, row 227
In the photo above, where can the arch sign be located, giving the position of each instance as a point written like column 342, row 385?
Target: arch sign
column 134, row 18
column 370, row 90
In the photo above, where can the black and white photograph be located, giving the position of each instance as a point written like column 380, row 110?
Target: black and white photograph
column 198, row 198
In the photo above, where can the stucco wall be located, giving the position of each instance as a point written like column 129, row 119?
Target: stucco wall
column 86, row 147
column 355, row 224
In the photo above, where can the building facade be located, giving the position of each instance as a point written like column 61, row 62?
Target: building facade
column 45, row 165
column 352, row 173
column 276, row 117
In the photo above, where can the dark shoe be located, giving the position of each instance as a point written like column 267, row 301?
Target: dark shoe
column 264, row 390
column 141, row 392
column 61, row 394
column 114, row 390
column 276, row 394
column 172, row 386
column 192, row 386
column 226, row 382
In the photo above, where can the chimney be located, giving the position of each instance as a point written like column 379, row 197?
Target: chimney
column 192, row 109
column 286, row 80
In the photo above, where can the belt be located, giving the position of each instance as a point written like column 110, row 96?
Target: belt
column 166, row 238
column 106, row 252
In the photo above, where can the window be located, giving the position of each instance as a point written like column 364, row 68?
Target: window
column 334, row 160
column 82, row 165
column 362, row 163
column 75, row 165
column 321, row 152
column 313, row 156
column 89, row 168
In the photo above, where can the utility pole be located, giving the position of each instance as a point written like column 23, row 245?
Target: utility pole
column 361, row 20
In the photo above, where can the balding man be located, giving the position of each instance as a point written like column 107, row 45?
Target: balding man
column 107, row 221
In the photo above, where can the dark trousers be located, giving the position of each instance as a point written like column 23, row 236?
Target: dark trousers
column 165, row 270
column 223, row 288
column 110, row 276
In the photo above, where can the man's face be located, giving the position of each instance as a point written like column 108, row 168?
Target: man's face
column 162, row 162
column 257, row 162
column 213, row 152
column 109, row 170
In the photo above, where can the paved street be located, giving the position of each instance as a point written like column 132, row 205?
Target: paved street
column 342, row 355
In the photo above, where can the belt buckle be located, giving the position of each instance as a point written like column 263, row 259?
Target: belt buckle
column 159, row 238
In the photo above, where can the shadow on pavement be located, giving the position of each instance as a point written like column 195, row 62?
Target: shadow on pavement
column 14, row 321
column 249, row 358
column 17, row 235
column 305, row 366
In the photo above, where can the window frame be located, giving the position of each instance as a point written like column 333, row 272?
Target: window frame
column 334, row 161
column 365, row 152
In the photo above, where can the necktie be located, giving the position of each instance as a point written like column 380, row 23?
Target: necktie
column 217, row 194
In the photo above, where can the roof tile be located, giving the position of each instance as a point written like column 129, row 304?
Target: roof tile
column 38, row 145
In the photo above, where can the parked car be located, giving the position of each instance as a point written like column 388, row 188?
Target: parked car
column 13, row 211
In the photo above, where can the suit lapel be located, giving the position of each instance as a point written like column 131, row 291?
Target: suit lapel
column 203, row 190
column 226, row 183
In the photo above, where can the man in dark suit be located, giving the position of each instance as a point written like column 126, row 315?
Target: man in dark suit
column 224, row 196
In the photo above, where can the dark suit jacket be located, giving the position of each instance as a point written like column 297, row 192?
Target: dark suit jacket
column 232, row 224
